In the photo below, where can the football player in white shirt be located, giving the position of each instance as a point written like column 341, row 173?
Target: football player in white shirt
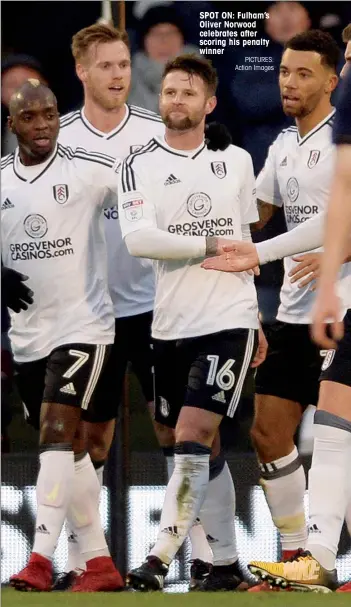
column 329, row 475
column 297, row 174
column 107, row 124
column 205, row 331
column 52, row 201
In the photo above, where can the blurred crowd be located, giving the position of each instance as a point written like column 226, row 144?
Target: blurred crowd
column 248, row 101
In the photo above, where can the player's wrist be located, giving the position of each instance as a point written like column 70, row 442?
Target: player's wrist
column 211, row 246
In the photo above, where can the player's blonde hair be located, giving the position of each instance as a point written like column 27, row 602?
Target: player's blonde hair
column 346, row 33
column 95, row 34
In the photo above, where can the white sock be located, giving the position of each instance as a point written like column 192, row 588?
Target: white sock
column 218, row 518
column 100, row 474
column 284, row 483
column 328, row 486
column 54, row 489
column 83, row 511
column 200, row 548
column 184, row 496
column 74, row 557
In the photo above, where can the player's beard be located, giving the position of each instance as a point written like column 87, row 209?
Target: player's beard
column 181, row 124
column 303, row 109
column 106, row 101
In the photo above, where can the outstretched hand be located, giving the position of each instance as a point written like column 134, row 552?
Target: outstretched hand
column 237, row 256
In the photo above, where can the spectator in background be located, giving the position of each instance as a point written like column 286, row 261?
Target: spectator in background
column 161, row 38
column 255, row 93
column 15, row 70
column 346, row 37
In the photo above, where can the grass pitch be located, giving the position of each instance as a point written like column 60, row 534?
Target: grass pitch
column 12, row 598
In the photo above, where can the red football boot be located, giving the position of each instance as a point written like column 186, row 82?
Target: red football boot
column 36, row 576
column 100, row 576
column 345, row 587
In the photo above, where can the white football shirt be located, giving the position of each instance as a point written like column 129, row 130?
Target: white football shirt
column 131, row 280
column 192, row 193
column 297, row 175
column 52, row 230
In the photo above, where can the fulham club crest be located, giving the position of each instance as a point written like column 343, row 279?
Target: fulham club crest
column 219, row 169
column 61, row 193
column 313, row 159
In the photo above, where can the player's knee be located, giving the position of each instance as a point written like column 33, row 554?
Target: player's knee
column 98, row 451
column 55, row 431
column 268, row 442
column 164, row 435
column 99, row 444
column 201, row 434
column 100, row 436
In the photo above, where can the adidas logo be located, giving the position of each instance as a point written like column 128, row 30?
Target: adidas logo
column 68, row 389
column 7, row 204
column 173, row 531
column 171, row 180
column 220, row 397
column 42, row 529
column 72, row 538
column 284, row 162
column 314, row 529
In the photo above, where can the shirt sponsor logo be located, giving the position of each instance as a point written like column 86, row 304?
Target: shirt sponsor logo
column 35, row 226
column 133, row 209
column 219, row 169
column 313, row 159
column 222, row 226
column 199, row 204
column 300, row 213
column 292, row 189
column 41, row 249
column 61, row 193
column 111, row 213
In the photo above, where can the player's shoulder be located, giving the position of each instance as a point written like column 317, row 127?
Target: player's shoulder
column 81, row 156
column 285, row 137
column 288, row 134
column 7, row 161
column 141, row 114
column 142, row 161
column 143, row 153
column 237, row 153
column 70, row 118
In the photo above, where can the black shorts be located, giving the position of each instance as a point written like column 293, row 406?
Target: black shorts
column 133, row 343
column 206, row 372
column 337, row 363
column 68, row 376
column 293, row 364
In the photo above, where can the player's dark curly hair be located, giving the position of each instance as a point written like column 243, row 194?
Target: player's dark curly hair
column 318, row 42
column 194, row 66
